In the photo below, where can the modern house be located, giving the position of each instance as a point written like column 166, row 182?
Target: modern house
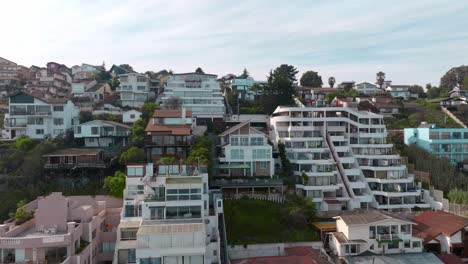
column 169, row 134
column 379, row 105
column 449, row 143
column 85, row 71
column 133, row 89
column 245, row 152
column 401, row 91
column 199, row 93
column 75, row 158
column 130, row 116
column 243, row 87
column 368, row 88
column 103, row 133
column 316, row 96
column 39, row 118
column 443, row 232
column 168, row 216
column 75, row 229
column 375, row 232
column 92, row 90
column 343, row 159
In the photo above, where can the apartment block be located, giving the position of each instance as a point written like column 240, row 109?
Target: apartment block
column 75, row 229
column 199, row 93
column 342, row 159
column 11, row 74
column 38, row 117
column 449, row 143
column 133, row 89
column 168, row 216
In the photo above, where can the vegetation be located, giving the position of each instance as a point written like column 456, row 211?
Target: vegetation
column 380, row 78
column 132, row 155
column 286, row 166
column 147, row 111
column 311, row 79
column 115, row 184
column 258, row 221
column 137, row 133
column 342, row 93
column 21, row 215
column 173, row 103
column 168, row 160
column 279, row 89
column 457, row 77
column 416, row 89
column 108, row 117
column 83, row 245
column 126, row 67
column 458, row 196
column 331, row 81
column 201, row 151
column 199, row 71
column 114, row 83
column 244, row 74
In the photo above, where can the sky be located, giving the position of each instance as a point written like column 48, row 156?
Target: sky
column 413, row 42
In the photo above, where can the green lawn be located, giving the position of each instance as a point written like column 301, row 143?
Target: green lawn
column 257, row 221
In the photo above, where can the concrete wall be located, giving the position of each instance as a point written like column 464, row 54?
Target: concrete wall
column 264, row 250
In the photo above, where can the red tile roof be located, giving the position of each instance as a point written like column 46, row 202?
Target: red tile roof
column 294, row 255
column 433, row 223
column 172, row 129
column 450, row 259
column 171, row 113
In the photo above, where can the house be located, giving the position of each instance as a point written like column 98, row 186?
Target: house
column 169, row 216
column 95, row 91
column 130, row 116
column 368, row 89
column 375, row 232
column 103, row 133
column 169, row 134
column 73, row 229
column 199, row 93
column 315, row 96
column 343, row 159
column 75, row 158
column 12, row 75
column 38, row 117
column 245, row 153
column 442, row 232
column 346, row 84
column 449, row 143
column 399, row 91
column 452, row 102
column 117, row 70
column 379, row 105
column 55, row 82
column 85, row 71
column 133, row 89
column 243, row 87
column 344, row 101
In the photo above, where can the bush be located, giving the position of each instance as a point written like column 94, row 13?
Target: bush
column 115, row 184
column 132, row 155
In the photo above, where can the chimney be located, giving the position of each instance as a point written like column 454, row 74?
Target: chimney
column 183, row 115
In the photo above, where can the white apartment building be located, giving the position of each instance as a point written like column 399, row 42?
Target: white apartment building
column 39, row 118
column 368, row 88
column 200, row 93
column 133, row 89
column 245, row 152
column 373, row 231
column 166, row 217
column 343, row 159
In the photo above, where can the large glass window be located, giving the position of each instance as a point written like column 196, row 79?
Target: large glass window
column 234, row 141
column 371, row 232
column 183, row 212
column 405, row 229
column 135, row 171
column 128, row 234
column 150, row 261
column 237, row 154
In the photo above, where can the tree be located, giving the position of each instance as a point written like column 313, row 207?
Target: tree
column 416, row 89
column 85, row 116
column 132, row 155
column 137, row 134
column 173, row 103
column 126, row 67
column 331, row 81
column 244, row 74
column 24, row 143
column 21, row 215
column 114, row 83
column 380, row 78
column 147, row 111
column 279, row 89
column 199, row 71
column 311, row 79
column 455, row 77
column 115, row 185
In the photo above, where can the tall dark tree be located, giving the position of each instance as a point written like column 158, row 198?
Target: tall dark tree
column 416, row 89
column 244, row 74
column 199, row 71
column 380, row 78
column 455, row 77
column 331, row 81
column 126, row 67
column 311, row 79
column 279, row 89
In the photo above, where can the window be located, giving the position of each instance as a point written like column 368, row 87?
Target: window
column 39, row 131
column 156, row 151
column 94, row 130
column 405, row 229
column 128, row 234
column 234, row 141
column 416, row 244
column 183, row 212
column 141, row 88
column 131, row 256
column 434, row 135
column 351, row 249
column 150, row 261
column 244, row 141
column 456, row 135
column 107, row 247
column 58, row 108
column 407, row 243
column 58, row 121
column 237, row 154
column 141, row 79
column 132, row 116
column 93, row 234
column 263, row 164
column 371, row 232
column 135, row 171
column 256, row 141
column 394, row 245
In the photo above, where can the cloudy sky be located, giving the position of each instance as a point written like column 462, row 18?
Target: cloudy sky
column 413, row 42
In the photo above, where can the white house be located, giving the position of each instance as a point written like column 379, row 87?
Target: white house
column 85, row 71
column 368, row 88
column 93, row 90
column 133, row 89
column 39, row 118
column 200, row 93
column 103, row 133
column 374, row 231
column 245, row 152
column 243, row 87
column 168, row 216
column 130, row 116
column 399, row 91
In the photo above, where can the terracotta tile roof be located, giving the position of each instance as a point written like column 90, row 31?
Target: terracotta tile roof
column 433, row 223
column 171, row 113
column 450, row 259
column 172, row 129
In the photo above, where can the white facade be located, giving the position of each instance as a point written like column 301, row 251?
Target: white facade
column 101, row 133
column 133, row 89
column 399, row 91
column 246, row 152
column 129, row 117
column 39, row 118
column 343, row 159
column 243, row 86
column 367, row 88
column 200, row 93
column 375, row 232
column 166, row 217
column 84, row 71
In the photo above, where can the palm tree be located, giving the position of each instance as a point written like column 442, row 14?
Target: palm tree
column 331, row 81
column 380, row 78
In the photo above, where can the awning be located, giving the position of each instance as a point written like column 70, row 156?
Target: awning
column 233, row 166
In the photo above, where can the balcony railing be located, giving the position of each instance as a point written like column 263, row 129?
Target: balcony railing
column 115, row 133
column 75, row 165
column 388, row 237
